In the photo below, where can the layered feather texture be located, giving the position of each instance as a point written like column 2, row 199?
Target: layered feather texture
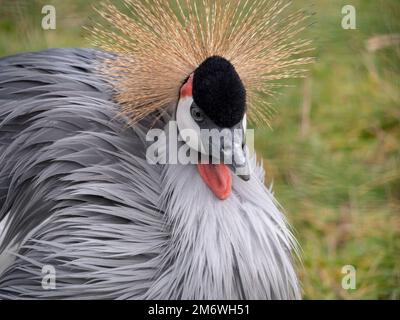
column 78, row 194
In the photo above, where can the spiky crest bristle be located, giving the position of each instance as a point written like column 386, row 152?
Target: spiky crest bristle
column 159, row 43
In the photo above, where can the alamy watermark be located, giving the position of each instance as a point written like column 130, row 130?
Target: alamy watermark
column 349, row 17
column 49, row 20
column 48, row 277
column 349, row 280
column 207, row 146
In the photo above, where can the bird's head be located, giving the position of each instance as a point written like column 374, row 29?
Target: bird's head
column 211, row 119
column 159, row 43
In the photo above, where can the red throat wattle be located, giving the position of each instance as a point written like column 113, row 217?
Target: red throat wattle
column 218, row 178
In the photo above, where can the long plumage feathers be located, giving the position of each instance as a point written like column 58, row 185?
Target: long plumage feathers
column 161, row 42
column 77, row 193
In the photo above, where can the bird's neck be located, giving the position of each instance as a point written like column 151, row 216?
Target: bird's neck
column 237, row 248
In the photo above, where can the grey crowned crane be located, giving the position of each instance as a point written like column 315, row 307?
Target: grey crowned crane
column 78, row 192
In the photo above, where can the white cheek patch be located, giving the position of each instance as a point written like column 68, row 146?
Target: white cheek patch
column 189, row 131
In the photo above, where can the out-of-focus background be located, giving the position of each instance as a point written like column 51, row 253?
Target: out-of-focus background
column 333, row 153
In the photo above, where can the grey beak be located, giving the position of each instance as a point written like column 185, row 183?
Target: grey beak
column 238, row 152
column 231, row 150
column 240, row 165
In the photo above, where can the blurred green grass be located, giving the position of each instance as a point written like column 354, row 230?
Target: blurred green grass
column 334, row 152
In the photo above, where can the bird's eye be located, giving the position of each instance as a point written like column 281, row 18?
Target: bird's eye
column 197, row 114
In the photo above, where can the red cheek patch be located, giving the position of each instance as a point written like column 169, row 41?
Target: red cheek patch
column 187, row 88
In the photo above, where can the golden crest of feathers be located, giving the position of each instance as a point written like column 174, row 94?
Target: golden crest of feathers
column 159, row 43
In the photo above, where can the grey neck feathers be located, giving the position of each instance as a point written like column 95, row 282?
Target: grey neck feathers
column 239, row 248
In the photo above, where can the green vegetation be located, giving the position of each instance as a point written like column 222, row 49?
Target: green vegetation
column 334, row 151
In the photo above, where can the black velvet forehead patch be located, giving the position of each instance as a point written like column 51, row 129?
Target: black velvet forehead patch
column 219, row 91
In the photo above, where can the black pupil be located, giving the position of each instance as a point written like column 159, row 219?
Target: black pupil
column 197, row 114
